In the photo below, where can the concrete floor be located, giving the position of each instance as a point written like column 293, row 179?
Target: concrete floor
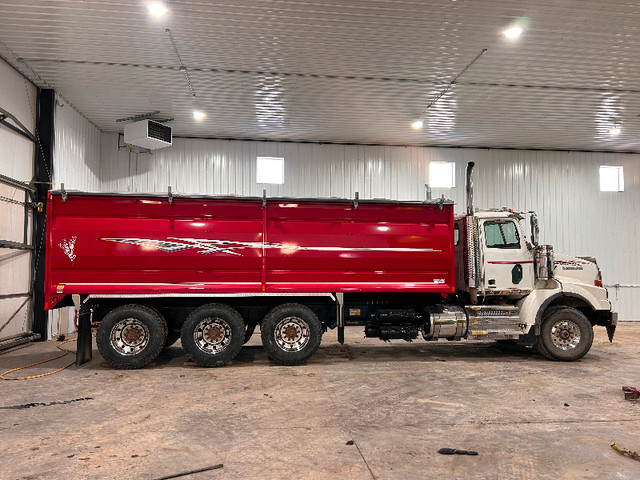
column 398, row 402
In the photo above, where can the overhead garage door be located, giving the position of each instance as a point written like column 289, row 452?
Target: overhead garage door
column 17, row 122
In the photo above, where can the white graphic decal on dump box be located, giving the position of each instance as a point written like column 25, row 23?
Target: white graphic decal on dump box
column 206, row 246
column 68, row 246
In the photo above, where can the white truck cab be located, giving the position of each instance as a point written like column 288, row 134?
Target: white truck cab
column 517, row 289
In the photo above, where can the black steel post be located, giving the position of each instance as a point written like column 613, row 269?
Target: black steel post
column 43, row 170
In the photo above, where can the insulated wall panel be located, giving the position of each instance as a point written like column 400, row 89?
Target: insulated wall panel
column 76, row 153
column 562, row 187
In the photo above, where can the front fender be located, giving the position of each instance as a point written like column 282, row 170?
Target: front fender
column 596, row 297
column 533, row 306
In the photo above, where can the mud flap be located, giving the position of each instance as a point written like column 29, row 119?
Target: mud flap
column 340, row 317
column 611, row 329
column 84, row 341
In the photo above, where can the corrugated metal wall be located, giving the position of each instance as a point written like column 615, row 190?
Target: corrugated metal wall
column 563, row 187
column 17, row 96
column 76, row 153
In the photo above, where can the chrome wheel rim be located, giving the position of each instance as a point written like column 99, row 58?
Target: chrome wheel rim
column 565, row 335
column 212, row 335
column 292, row 334
column 129, row 336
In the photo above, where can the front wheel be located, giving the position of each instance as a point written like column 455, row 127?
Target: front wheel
column 291, row 333
column 566, row 334
column 131, row 336
column 213, row 334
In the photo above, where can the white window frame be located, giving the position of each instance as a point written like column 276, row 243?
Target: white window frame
column 611, row 178
column 270, row 170
column 442, row 174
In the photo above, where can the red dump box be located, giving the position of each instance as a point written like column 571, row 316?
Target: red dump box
column 185, row 245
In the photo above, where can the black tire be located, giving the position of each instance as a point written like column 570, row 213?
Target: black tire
column 213, row 334
column 566, row 334
column 291, row 333
column 131, row 336
column 173, row 334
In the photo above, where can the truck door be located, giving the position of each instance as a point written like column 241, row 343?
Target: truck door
column 507, row 261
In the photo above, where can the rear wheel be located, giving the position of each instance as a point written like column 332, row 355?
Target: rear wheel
column 213, row 335
column 566, row 334
column 291, row 333
column 131, row 336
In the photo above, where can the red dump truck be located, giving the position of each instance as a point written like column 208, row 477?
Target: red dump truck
column 154, row 268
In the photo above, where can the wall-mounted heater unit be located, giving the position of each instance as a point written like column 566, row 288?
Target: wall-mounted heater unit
column 147, row 134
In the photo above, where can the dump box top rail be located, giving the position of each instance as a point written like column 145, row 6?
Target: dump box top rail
column 146, row 244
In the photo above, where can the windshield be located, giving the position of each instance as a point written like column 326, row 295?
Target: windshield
column 501, row 234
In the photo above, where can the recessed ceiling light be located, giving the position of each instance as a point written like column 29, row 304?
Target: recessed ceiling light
column 157, row 9
column 199, row 115
column 417, row 125
column 615, row 130
column 513, row 32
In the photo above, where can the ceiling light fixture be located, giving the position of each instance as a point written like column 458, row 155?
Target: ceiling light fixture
column 417, row 125
column 199, row 115
column 157, row 9
column 513, row 32
column 615, row 130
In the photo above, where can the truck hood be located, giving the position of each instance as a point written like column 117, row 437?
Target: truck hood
column 576, row 270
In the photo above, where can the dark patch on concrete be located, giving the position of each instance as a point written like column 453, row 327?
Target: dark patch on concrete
column 337, row 351
column 43, row 404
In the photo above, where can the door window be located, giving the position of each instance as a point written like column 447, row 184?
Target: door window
column 501, row 235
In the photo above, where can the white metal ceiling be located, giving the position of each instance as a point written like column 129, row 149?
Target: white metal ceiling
column 345, row 71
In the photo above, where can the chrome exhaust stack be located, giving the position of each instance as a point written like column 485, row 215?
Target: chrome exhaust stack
column 473, row 266
column 544, row 262
column 469, row 186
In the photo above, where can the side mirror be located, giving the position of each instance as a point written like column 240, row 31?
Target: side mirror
column 535, row 230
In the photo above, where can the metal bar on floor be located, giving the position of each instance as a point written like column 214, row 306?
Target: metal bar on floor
column 15, row 340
